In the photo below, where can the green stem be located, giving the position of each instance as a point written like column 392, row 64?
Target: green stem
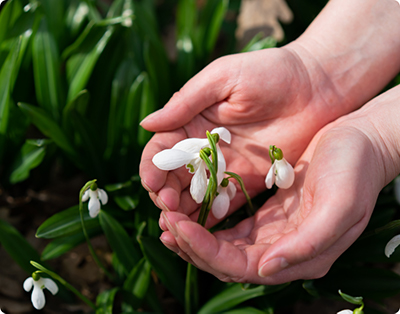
column 241, row 183
column 191, row 291
column 91, row 249
column 64, row 283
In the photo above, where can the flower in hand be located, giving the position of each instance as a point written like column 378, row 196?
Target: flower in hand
column 281, row 172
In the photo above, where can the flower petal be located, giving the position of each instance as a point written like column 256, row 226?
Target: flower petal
column 220, row 205
column 38, row 300
column 85, row 196
column 231, row 190
column 28, row 283
column 392, row 245
column 103, row 196
column 270, row 179
column 191, row 145
column 284, row 174
column 223, row 133
column 94, row 207
column 345, row 312
column 50, row 285
column 170, row 159
column 221, row 165
column 198, row 185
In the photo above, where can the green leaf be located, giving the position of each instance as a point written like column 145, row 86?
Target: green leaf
column 258, row 43
column 80, row 66
column 105, row 301
column 62, row 245
column 29, row 157
column 350, row 299
column 138, row 282
column 18, row 248
column 48, row 127
column 235, row 295
column 66, row 223
column 8, row 15
column 6, row 74
column 119, row 241
column 167, row 265
column 147, row 106
column 46, row 70
column 127, row 202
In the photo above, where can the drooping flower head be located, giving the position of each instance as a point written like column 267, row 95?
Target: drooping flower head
column 281, row 172
column 95, row 195
column 39, row 284
column 187, row 153
column 226, row 192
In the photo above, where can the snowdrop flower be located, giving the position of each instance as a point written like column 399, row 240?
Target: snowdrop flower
column 226, row 192
column 398, row 312
column 345, row 312
column 281, row 172
column 1, row 312
column 39, row 284
column 186, row 153
column 95, row 195
column 392, row 245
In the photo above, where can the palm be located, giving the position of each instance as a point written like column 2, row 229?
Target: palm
column 309, row 225
column 259, row 105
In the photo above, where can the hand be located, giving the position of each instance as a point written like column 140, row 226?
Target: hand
column 259, row 102
column 300, row 232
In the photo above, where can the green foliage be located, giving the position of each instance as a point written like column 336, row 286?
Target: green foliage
column 80, row 75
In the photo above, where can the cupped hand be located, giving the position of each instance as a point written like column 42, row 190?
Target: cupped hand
column 301, row 231
column 263, row 98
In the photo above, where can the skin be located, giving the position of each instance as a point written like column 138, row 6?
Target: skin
column 290, row 97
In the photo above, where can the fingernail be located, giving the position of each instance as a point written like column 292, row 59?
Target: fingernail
column 149, row 117
column 170, row 246
column 169, row 226
column 181, row 233
column 146, row 187
column 162, row 205
column 272, row 267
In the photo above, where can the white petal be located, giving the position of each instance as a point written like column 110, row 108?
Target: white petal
column 28, row 283
column 392, row 245
column 103, row 196
column 345, row 312
column 38, row 299
column 171, row 159
column 220, row 205
column 50, row 285
column 223, row 133
column 231, row 190
column 221, row 165
column 1, row 312
column 94, row 207
column 85, row 196
column 198, row 185
column 270, row 179
column 397, row 189
column 398, row 312
column 284, row 174
column 191, row 145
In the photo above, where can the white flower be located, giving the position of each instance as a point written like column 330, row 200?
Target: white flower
column 186, row 153
column 281, row 173
column 392, row 245
column 95, row 197
column 1, row 312
column 398, row 312
column 221, row 203
column 38, row 299
column 345, row 312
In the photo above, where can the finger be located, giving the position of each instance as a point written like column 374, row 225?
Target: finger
column 211, row 254
column 153, row 179
column 213, row 84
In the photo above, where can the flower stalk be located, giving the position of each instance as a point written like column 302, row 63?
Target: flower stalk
column 91, row 249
